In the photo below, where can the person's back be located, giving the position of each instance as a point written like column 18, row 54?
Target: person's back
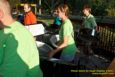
column 19, row 55
column 19, row 51
column 30, row 18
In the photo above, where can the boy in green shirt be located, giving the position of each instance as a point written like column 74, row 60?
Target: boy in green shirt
column 89, row 20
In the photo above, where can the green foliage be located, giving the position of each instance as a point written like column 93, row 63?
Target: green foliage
column 77, row 5
column 111, row 8
column 99, row 8
column 14, row 2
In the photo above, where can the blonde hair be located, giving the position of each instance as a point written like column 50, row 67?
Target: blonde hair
column 64, row 8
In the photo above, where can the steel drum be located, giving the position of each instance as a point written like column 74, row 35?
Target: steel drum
column 54, row 40
column 43, row 48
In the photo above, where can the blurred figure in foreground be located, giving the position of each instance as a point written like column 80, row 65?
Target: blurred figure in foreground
column 19, row 55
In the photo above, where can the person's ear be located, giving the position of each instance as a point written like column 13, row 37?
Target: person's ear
column 1, row 14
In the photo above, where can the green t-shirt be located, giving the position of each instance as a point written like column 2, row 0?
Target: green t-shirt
column 19, row 56
column 89, row 22
column 67, row 30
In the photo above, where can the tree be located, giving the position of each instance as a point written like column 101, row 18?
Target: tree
column 99, row 8
column 14, row 2
column 111, row 8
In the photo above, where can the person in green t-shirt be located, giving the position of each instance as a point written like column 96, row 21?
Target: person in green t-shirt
column 89, row 20
column 19, row 55
column 67, row 43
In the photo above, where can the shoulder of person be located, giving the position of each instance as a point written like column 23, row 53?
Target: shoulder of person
column 91, row 17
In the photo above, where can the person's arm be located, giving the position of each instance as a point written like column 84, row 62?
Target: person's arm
column 93, row 22
column 60, row 47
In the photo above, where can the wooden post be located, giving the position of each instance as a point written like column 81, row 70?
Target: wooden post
column 40, row 7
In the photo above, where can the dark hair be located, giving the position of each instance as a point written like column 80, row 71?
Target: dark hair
column 87, row 7
column 64, row 8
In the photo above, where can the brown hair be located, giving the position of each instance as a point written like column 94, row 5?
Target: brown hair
column 64, row 8
column 87, row 7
